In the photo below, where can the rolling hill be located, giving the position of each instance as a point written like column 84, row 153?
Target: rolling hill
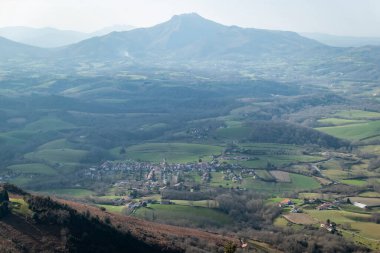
column 48, row 37
column 10, row 50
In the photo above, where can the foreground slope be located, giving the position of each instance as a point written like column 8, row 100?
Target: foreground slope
column 41, row 224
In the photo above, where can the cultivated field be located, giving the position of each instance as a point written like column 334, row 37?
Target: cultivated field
column 300, row 218
column 172, row 152
column 180, row 214
column 281, row 176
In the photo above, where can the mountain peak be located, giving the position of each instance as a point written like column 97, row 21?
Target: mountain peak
column 188, row 15
column 189, row 18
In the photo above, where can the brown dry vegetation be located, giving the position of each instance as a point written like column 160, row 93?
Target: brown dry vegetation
column 151, row 232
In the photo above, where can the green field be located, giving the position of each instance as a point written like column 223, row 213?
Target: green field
column 261, row 161
column 354, row 132
column 357, row 114
column 57, row 155
column 56, row 144
column 113, row 209
column 298, row 183
column 172, row 152
column 20, row 206
column 370, row 194
column 356, row 220
column 32, row 168
column 356, row 182
column 199, row 203
column 48, row 124
column 74, row 192
column 339, row 121
column 264, row 174
column 181, row 214
column 337, row 216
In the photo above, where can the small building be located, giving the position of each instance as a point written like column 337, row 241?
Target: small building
column 326, row 206
column 285, row 202
column 360, row 205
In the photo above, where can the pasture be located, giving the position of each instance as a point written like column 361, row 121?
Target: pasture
column 354, row 132
column 73, row 192
column 32, row 168
column 57, row 155
column 357, row 114
column 181, row 214
column 298, row 183
column 300, row 218
column 339, row 121
column 356, row 182
column 172, row 152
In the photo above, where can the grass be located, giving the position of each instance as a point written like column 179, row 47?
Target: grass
column 355, row 182
column 367, row 201
column 57, row 155
column 56, row 144
column 264, row 174
column 20, row 206
column 339, row 122
column 261, row 161
column 298, row 183
column 372, row 149
column 172, row 152
column 113, row 209
column 280, row 222
column 181, row 214
column 73, row 192
column 337, row 216
column 199, row 203
column 370, row 194
column 354, row 132
column 32, row 168
column 336, row 174
column 357, row 114
column 367, row 229
column 48, row 124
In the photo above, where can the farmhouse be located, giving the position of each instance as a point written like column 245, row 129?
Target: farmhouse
column 326, row 206
column 360, row 205
column 285, row 202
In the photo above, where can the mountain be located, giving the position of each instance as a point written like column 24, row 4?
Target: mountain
column 343, row 41
column 10, row 50
column 191, row 37
column 191, row 41
column 42, row 37
column 110, row 29
column 51, row 37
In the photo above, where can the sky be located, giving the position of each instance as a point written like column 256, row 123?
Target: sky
column 339, row 17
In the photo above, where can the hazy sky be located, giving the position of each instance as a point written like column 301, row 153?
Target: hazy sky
column 343, row 17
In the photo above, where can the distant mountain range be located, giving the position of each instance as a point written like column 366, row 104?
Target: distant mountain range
column 343, row 41
column 51, row 37
column 190, row 40
column 191, row 37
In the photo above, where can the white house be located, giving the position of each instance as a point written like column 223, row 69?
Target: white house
column 361, row 205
